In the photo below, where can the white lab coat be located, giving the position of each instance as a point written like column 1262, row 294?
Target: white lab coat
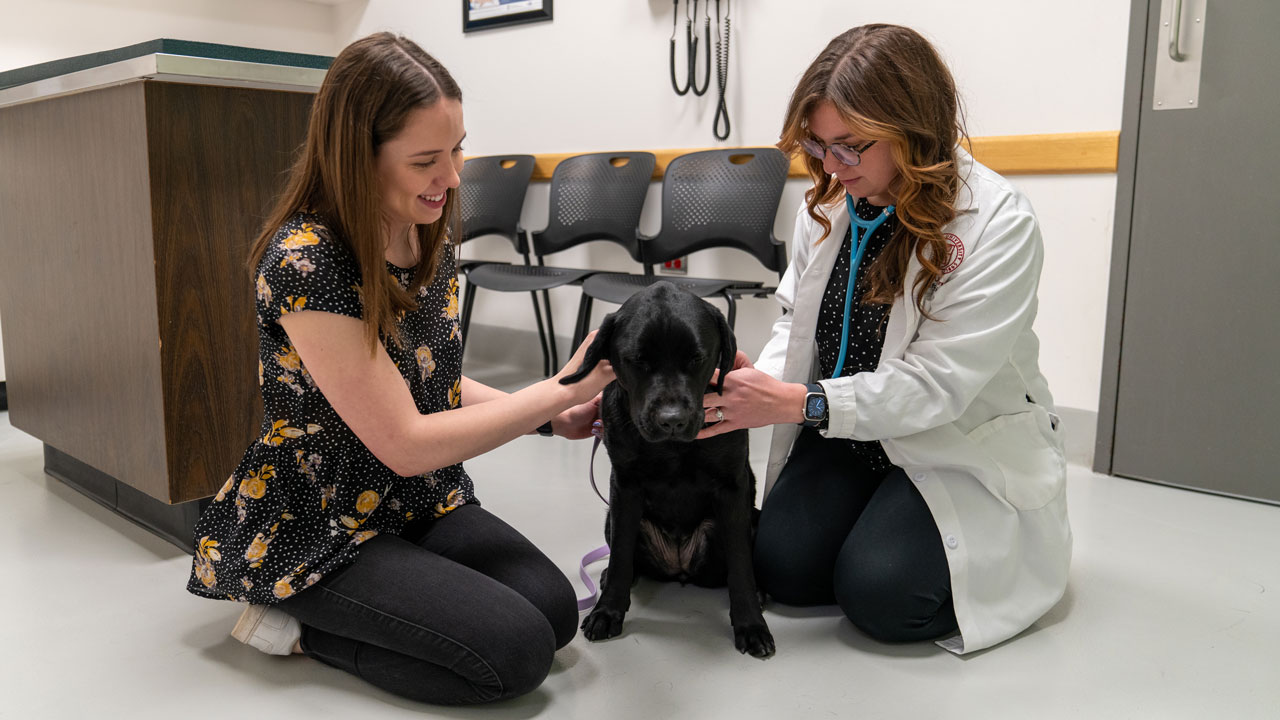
column 958, row 402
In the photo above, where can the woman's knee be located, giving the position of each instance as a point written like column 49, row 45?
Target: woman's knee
column 561, row 610
column 506, row 652
column 541, row 583
column 527, row 670
column 879, row 619
column 515, row 661
column 890, row 603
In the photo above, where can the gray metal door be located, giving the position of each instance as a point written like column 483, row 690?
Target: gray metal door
column 1191, row 371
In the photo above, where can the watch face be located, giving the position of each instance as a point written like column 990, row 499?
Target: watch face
column 815, row 407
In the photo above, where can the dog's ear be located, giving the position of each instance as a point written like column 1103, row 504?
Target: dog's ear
column 598, row 350
column 728, row 349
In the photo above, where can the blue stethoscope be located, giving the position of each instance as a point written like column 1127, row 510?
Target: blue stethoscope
column 861, row 240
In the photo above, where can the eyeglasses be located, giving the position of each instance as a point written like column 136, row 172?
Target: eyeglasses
column 848, row 155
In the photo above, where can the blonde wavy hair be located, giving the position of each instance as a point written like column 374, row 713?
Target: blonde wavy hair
column 888, row 83
column 365, row 100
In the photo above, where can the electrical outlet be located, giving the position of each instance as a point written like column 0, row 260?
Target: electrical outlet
column 678, row 266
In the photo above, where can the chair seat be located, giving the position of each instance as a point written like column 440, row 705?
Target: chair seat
column 466, row 266
column 617, row 287
column 524, row 278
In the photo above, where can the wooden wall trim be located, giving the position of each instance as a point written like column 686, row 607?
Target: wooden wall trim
column 1056, row 154
column 1059, row 154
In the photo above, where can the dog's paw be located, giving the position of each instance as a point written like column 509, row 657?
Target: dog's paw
column 754, row 639
column 604, row 623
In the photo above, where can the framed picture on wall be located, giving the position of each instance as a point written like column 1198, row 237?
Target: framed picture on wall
column 485, row 14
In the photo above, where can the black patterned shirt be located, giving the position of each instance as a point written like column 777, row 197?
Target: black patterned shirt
column 866, row 322
column 307, row 492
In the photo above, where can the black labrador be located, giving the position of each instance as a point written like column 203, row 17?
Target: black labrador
column 680, row 509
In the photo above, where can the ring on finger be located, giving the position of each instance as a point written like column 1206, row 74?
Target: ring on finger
column 719, row 415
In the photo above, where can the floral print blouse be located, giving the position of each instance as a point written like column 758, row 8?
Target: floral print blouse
column 307, row 492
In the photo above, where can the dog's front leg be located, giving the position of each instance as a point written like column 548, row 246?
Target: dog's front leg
column 750, row 632
column 625, row 508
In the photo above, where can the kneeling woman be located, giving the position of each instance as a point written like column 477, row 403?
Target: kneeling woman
column 350, row 525
column 917, row 475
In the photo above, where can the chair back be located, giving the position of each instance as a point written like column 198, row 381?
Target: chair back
column 721, row 198
column 597, row 196
column 491, row 195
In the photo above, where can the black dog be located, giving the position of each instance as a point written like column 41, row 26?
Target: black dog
column 679, row 509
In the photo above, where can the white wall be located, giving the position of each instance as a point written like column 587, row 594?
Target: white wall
column 595, row 78
column 36, row 32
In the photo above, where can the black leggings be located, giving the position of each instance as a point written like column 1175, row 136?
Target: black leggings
column 458, row 610
column 831, row 531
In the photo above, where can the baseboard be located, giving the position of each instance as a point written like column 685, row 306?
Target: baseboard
column 1081, row 428
column 174, row 523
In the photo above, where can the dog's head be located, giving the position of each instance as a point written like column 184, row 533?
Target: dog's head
column 664, row 344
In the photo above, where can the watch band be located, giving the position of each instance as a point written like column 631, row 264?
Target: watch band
column 545, row 429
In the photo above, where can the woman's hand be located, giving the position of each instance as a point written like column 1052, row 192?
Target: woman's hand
column 575, row 423
column 751, row 398
column 740, row 360
column 591, row 385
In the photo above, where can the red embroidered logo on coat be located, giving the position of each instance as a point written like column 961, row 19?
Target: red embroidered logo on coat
column 955, row 253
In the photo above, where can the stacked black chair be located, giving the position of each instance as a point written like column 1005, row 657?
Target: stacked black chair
column 596, row 196
column 490, row 198
column 714, row 198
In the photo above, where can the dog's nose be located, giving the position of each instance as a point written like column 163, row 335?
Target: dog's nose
column 672, row 421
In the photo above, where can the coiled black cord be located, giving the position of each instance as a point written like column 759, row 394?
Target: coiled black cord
column 722, row 72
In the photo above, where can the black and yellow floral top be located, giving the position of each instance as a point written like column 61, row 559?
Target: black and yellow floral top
column 307, row 492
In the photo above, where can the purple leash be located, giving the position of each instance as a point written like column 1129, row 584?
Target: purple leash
column 587, row 601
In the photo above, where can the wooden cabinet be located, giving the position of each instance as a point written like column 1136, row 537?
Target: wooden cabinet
column 126, row 215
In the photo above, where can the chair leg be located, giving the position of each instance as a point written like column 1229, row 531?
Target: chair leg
column 551, row 334
column 468, row 298
column 584, row 317
column 733, row 309
column 542, row 335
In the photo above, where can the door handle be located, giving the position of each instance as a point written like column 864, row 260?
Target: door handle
column 1175, row 33
column 1179, row 52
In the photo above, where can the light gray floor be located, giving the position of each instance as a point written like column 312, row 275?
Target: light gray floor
column 1173, row 612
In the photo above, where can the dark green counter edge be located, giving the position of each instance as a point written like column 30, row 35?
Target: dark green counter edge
column 44, row 71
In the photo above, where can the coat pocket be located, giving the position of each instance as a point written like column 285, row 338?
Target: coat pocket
column 1033, row 467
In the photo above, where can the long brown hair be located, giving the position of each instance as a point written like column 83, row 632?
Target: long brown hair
column 364, row 101
column 888, row 83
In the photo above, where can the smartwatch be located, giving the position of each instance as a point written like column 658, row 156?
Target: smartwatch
column 815, row 406
column 545, row 429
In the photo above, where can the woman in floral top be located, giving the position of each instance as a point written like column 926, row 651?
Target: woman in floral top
column 350, row 525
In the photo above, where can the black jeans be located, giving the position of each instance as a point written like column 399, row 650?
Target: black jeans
column 458, row 610
column 833, row 531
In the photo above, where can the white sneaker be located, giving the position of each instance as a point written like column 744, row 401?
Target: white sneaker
column 269, row 629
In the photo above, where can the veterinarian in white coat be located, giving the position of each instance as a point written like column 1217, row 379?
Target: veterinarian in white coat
column 956, row 399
